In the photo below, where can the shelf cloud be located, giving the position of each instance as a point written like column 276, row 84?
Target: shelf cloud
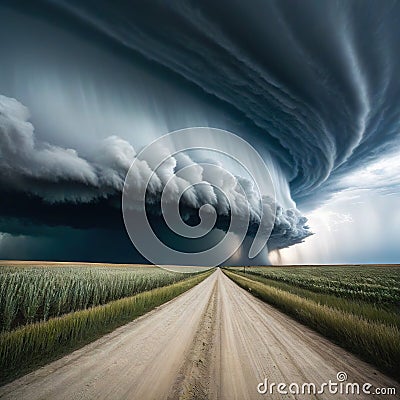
column 313, row 87
column 58, row 175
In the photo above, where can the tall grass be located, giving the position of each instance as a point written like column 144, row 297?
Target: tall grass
column 375, row 342
column 378, row 285
column 369, row 311
column 31, row 294
column 33, row 345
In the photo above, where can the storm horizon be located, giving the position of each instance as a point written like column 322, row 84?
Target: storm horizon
column 314, row 88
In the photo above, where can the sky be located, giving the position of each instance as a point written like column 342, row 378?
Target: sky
column 313, row 87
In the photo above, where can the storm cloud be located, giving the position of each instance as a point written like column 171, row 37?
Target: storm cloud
column 320, row 78
column 313, row 86
column 57, row 177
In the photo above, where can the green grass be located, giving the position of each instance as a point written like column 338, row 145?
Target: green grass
column 378, row 285
column 375, row 341
column 36, row 344
column 387, row 314
column 36, row 293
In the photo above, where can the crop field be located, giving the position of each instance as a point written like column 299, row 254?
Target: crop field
column 31, row 294
column 379, row 285
column 46, row 311
column 358, row 307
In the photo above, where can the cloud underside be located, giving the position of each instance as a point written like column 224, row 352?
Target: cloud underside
column 321, row 80
column 46, row 185
column 316, row 82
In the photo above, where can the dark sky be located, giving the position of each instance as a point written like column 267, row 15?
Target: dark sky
column 313, row 86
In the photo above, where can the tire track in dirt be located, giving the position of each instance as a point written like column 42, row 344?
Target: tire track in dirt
column 196, row 377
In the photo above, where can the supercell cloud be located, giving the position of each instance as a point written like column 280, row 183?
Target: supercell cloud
column 313, row 86
column 319, row 77
column 58, row 175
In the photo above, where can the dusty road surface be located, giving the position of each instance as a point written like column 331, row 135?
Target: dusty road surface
column 214, row 342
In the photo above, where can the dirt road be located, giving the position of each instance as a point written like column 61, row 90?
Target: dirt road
column 214, row 342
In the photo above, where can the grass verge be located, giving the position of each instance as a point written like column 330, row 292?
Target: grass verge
column 386, row 314
column 26, row 348
column 375, row 342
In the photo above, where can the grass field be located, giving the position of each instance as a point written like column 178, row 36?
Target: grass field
column 374, row 284
column 357, row 307
column 51, row 310
column 37, row 293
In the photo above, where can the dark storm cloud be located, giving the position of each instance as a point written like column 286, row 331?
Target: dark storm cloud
column 317, row 81
column 46, row 185
column 52, row 172
column 24, row 160
column 319, row 77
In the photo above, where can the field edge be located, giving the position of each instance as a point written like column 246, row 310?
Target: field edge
column 377, row 344
column 34, row 345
